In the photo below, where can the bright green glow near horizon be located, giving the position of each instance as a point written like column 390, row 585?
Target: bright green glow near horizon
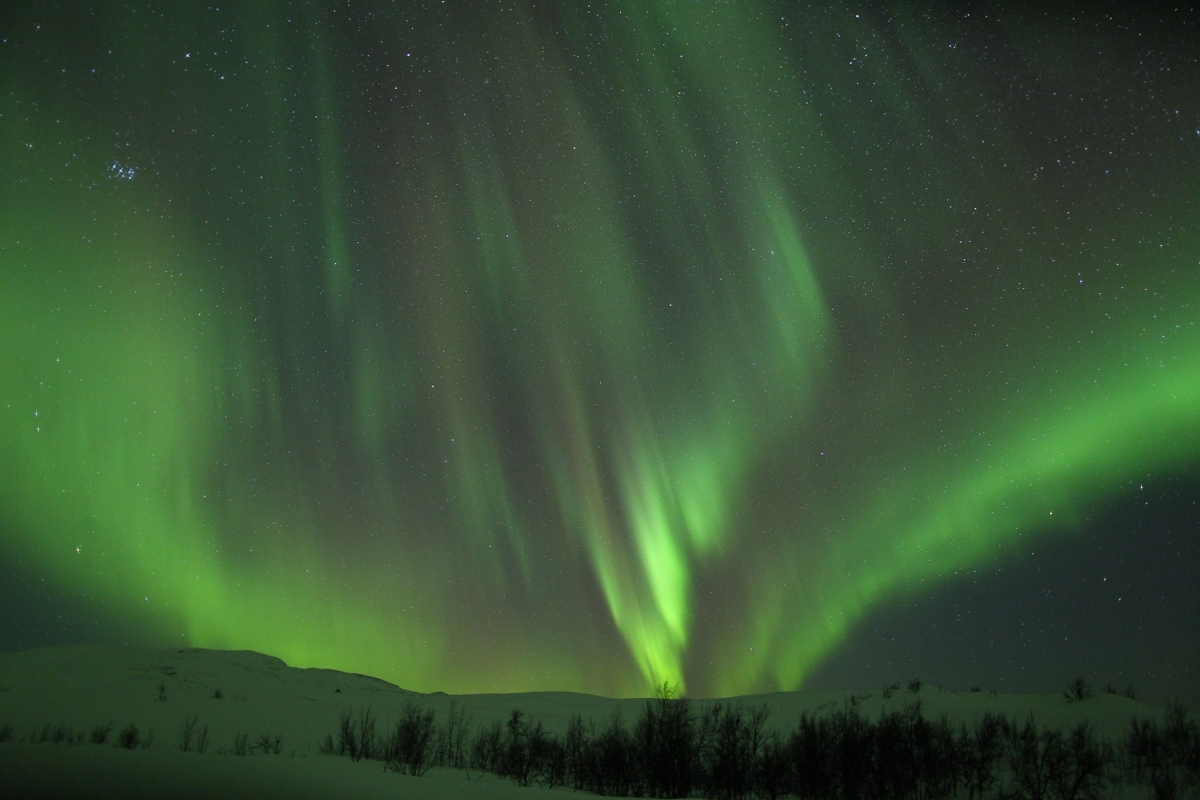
column 495, row 359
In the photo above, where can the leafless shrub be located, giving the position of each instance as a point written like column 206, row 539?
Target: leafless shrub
column 267, row 744
column 548, row 756
column 347, row 736
column 811, row 752
column 100, row 732
column 368, row 746
column 187, row 732
column 1033, row 755
column 410, row 748
column 517, row 763
column 614, row 759
column 1077, row 691
column 665, row 736
column 576, row 749
column 452, row 744
column 1077, row 769
column 732, row 740
column 486, row 748
column 56, row 733
column 129, row 737
column 980, row 750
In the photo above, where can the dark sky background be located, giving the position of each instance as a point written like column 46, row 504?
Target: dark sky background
column 505, row 346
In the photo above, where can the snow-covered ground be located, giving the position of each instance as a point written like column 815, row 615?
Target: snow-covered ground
column 231, row 694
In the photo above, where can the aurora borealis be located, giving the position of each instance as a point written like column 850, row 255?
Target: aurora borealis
column 506, row 346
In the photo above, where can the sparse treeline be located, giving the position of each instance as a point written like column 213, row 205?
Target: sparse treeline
column 727, row 751
column 190, row 739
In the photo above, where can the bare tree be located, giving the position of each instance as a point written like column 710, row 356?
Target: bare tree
column 1077, row 691
column 410, row 748
column 665, row 737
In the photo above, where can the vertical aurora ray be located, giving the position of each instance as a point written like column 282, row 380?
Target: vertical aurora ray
column 598, row 346
column 677, row 469
column 337, row 257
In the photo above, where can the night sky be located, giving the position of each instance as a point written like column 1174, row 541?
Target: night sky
column 499, row 346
